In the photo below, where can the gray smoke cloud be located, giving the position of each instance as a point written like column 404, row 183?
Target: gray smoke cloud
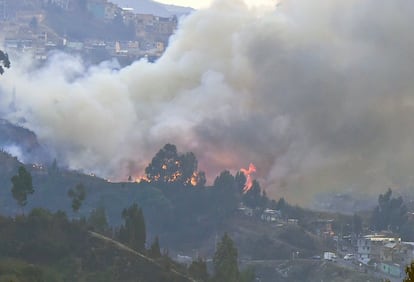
column 317, row 94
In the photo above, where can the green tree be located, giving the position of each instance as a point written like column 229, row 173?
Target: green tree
column 225, row 261
column 356, row 224
column 254, row 197
column 407, row 231
column 281, row 204
column 133, row 232
column 390, row 213
column 240, row 179
column 77, row 195
column 155, row 251
column 22, row 186
column 409, row 271
column 4, row 59
column 226, row 197
column 198, row 270
column 97, row 220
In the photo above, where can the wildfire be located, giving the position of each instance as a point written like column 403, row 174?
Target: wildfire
column 174, row 177
column 249, row 181
column 194, row 179
column 142, row 179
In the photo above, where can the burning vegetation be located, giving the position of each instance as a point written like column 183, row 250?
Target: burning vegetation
column 170, row 167
column 249, row 181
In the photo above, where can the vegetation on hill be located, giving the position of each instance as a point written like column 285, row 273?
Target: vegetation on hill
column 178, row 206
column 46, row 246
column 22, row 186
column 5, row 62
column 78, row 24
column 181, row 212
column 392, row 214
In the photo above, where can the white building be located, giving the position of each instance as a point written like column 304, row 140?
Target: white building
column 270, row 215
column 369, row 247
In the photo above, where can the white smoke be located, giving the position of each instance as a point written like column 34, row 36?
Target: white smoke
column 15, row 151
column 317, row 94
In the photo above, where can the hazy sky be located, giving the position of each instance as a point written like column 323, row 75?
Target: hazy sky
column 197, row 4
column 188, row 3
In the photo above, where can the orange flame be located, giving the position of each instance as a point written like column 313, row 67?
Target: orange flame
column 249, row 181
column 142, row 179
column 194, row 179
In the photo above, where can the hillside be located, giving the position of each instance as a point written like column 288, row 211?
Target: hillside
column 183, row 218
column 259, row 243
column 46, row 246
column 153, row 7
column 188, row 220
column 79, row 25
column 20, row 142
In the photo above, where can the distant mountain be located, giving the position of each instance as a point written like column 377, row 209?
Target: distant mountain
column 152, row 7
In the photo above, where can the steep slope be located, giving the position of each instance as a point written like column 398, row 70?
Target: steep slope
column 14, row 135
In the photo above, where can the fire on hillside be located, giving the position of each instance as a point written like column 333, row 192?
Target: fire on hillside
column 249, row 180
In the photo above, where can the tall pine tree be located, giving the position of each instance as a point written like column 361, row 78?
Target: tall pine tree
column 22, row 186
column 154, row 250
column 133, row 232
column 225, row 261
column 78, row 196
column 198, row 270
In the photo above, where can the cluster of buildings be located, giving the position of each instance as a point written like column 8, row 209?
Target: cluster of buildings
column 385, row 252
column 145, row 25
column 21, row 29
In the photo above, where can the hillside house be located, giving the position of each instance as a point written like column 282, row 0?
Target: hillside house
column 270, row 215
column 371, row 247
column 293, row 221
column 63, row 4
column 245, row 211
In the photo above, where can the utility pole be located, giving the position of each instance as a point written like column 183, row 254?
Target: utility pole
column 215, row 242
column 337, row 245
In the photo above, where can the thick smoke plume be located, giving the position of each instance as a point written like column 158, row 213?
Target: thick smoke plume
column 318, row 94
